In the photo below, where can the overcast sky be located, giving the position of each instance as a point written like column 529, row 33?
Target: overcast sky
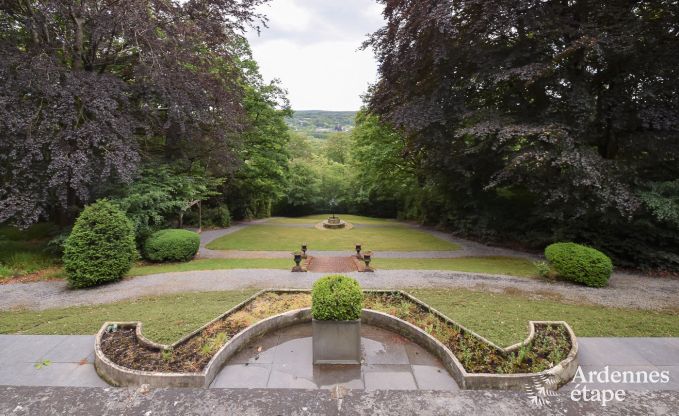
column 312, row 47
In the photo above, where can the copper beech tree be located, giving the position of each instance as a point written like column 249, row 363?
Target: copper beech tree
column 556, row 116
column 89, row 86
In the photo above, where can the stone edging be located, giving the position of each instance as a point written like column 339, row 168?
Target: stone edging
column 122, row 376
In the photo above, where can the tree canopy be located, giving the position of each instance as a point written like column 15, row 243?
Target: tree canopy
column 560, row 117
column 89, row 87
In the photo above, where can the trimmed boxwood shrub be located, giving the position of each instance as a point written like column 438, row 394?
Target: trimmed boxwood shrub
column 336, row 298
column 101, row 246
column 171, row 245
column 580, row 264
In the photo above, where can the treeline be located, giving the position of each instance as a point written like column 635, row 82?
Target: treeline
column 534, row 122
column 155, row 105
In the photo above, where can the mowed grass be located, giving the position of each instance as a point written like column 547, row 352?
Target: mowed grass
column 23, row 251
column 502, row 318
column 271, row 237
column 211, row 264
column 165, row 318
column 511, row 266
column 316, row 218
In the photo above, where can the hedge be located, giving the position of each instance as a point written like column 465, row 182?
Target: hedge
column 101, row 246
column 171, row 245
column 336, row 298
column 580, row 264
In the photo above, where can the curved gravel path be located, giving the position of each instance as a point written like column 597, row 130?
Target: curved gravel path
column 627, row 291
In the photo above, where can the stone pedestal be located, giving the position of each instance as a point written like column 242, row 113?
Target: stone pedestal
column 336, row 342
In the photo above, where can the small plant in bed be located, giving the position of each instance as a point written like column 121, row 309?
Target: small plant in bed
column 550, row 345
column 336, row 298
column 171, row 246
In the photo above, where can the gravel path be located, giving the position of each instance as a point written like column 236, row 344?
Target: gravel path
column 627, row 291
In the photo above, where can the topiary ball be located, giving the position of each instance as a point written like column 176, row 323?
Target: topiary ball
column 580, row 264
column 101, row 246
column 336, row 298
column 171, row 245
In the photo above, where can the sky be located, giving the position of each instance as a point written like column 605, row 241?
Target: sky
column 312, row 46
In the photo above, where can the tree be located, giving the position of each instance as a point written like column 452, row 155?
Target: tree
column 84, row 81
column 259, row 180
column 160, row 193
column 532, row 116
column 385, row 173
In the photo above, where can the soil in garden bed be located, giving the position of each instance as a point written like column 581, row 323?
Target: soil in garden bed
column 550, row 345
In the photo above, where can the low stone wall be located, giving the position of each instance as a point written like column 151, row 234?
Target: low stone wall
column 117, row 375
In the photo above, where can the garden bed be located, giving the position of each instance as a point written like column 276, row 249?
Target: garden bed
column 546, row 347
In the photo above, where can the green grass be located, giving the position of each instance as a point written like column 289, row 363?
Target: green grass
column 212, row 264
column 511, row 266
column 23, row 251
column 23, row 257
column 493, row 265
column 267, row 237
column 354, row 219
column 502, row 318
column 165, row 318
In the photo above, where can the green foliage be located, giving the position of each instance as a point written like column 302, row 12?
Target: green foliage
column 171, row 245
column 580, row 264
column 55, row 246
column 101, row 247
column 29, row 250
column 336, row 298
column 662, row 200
column 219, row 216
column 161, row 193
column 384, row 179
column 260, row 179
column 542, row 268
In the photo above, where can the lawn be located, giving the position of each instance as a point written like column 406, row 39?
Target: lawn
column 511, row 266
column 165, row 318
column 271, row 237
column 211, row 264
column 23, row 251
column 494, row 265
column 354, row 219
column 502, row 318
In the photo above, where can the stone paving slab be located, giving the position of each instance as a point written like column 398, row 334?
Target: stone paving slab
column 48, row 360
column 159, row 402
column 283, row 359
column 69, row 370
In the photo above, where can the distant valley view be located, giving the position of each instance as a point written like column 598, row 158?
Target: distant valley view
column 320, row 124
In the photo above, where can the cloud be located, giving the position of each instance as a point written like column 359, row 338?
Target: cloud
column 312, row 47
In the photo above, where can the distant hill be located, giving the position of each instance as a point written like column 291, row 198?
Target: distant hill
column 320, row 124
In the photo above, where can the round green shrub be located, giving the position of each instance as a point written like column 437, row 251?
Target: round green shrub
column 101, row 246
column 580, row 264
column 336, row 298
column 171, row 245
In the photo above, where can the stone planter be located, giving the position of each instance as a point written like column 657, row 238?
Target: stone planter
column 336, row 342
